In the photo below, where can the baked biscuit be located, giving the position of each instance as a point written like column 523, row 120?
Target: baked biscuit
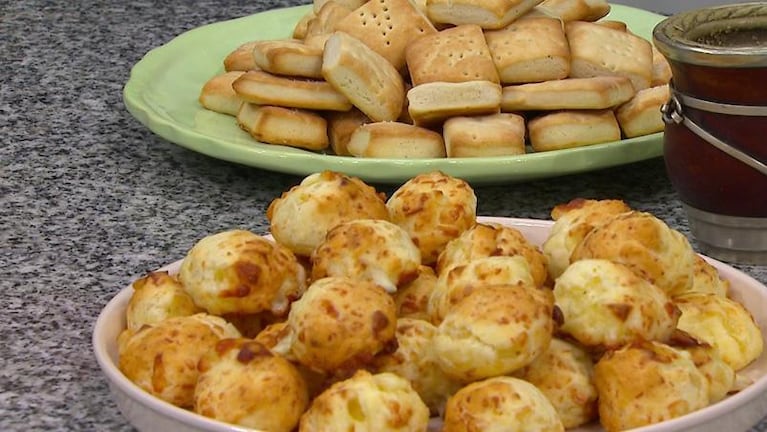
column 231, row 384
column 457, row 54
column 488, row 14
column 641, row 115
column 431, row 103
column 568, row 129
column 263, row 88
column 284, row 126
column 606, row 306
column 288, row 57
column 156, row 297
column 575, row 10
column 370, row 249
column 299, row 30
column 596, row 50
column 572, row 93
column 327, row 16
column 301, row 217
column 341, row 125
column 646, row 383
column 433, row 208
column 516, row 63
column 500, row 134
column 387, row 27
column 412, row 299
column 317, row 5
column 218, row 95
column 501, row 404
column 394, row 140
column 241, row 58
column 661, row 69
column 370, row 82
column 613, row 24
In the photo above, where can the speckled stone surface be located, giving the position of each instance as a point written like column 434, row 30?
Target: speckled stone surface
column 90, row 199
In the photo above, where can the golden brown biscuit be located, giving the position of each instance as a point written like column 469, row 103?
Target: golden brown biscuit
column 567, row 129
column 597, row 50
column 575, row 10
column 647, row 383
column 366, row 78
column 299, row 30
column 382, row 402
column 433, row 208
column 327, row 16
column 394, row 140
column 387, row 27
column 302, row 216
column 613, row 24
column 412, row 299
column 368, row 249
column 218, row 95
column 263, row 88
column 661, row 69
column 317, row 5
column 231, row 384
column 646, row 245
column 340, row 324
column 156, row 297
column 706, row 278
column 288, row 57
column 500, row 134
column 341, row 125
column 501, row 404
column 488, row 14
column 241, row 58
column 457, row 54
column 550, row 60
column 434, row 102
column 606, row 306
column 641, row 115
column 240, row 272
column 571, row 93
column 284, row 126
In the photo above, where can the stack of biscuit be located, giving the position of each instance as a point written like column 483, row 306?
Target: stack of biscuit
column 445, row 78
column 373, row 314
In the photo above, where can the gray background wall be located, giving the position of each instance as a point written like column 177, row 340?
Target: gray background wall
column 671, row 6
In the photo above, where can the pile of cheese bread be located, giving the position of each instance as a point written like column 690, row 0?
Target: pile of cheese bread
column 445, row 78
column 407, row 313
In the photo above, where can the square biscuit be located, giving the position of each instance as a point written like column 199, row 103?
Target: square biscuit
column 431, row 103
column 661, row 69
column 517, row 63
column 387, row 27
column 480, row 136
column 284, row 126
column 488, row 14
column 218, row 95
column 457, row 54
column 326, row 18
column 289, row 57
column 641, row 115
column 575, row 10
column 241, row 58
column 568, row 129
column 597, row 50
column 571, row 93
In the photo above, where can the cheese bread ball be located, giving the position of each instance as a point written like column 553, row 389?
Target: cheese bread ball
column 162, row 358
column 564, row 374
column 647, row 246
column 493, row 331
column 412, row 299
column 722, row 323
column 414, row 360
column 573, row 221
column 371, row 249
column 605, row 305
column 340, row 324
column 706, row 279
column 459, row 281
column 274, row 337
column 243, row 383
column 500, row 404
column 302, row 216
column 647, row 383
column 157, row 296
column 365, row 402
column 241, row 272
column 433, row 208
column 490, row 239
column 720, row 376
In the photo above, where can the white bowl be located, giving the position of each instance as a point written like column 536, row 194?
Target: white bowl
column 738, row 412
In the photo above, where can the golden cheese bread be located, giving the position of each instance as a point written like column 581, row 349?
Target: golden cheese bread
column 575, row 10
column 456, row 54
column 500, row 134
column 363, row 76
column 241, row 58
column 488, row 14
column 641, row 115
column 432, row 103
column 284, row 126
column 394, row 140
column 568, row 129
column 412, row 299
column 218, row 95
column 263, row 88
column 156, row 297
column 572, row 93
column 517, row 63
column 288, row 57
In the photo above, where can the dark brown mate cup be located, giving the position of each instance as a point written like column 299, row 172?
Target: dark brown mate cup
column 715, row 141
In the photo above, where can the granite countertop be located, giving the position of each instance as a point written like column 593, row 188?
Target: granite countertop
column 90, row 199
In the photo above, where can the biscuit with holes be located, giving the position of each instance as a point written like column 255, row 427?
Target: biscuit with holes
column 481, row 136
column 571, row 93
column 596, row 50
column 387, row 27
column 341, row 125
column 567, row 129
column 488, row 14
column 218, row 95
column 394, row 140
column 457, row 54
column 516, row 63
column 241, row 58
column 575, row 10
column 370, row 82
column 431, row 103
column 641, row 115
column 284, row 126
column 288, row 57
column 263, row 88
